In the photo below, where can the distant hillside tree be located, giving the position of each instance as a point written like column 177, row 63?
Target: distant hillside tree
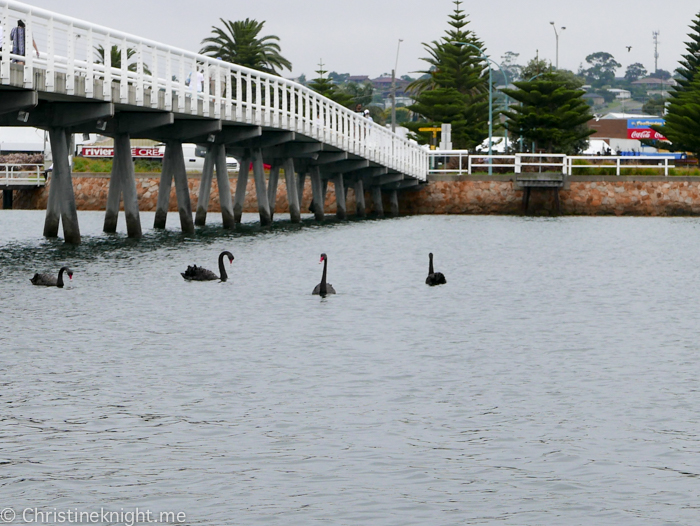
column 455, row 87
column 511, row 67
column 635, row 71
column 551, row 112
column 535, row 67
column 326, row 87
column 602, row 69
column 682, row 126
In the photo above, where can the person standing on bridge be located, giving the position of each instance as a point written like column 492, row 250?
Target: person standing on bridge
column 18, row 39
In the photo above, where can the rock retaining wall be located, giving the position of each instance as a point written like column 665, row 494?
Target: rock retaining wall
column 583, row 195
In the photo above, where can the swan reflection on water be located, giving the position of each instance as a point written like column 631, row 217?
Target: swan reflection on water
column 195, row 273
column 324, row 288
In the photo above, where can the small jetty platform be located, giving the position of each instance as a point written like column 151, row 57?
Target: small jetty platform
column 545, row 181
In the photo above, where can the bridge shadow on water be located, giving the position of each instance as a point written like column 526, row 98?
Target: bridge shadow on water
column 39, row 254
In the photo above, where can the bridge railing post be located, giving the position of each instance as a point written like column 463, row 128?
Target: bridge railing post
column 168, row 81
column 123, row 75
column 89, row 69
column 206, row 98
column 139, row 74
column 155, row 88
column 5, row 53
column 70, row 66
column 217, row 92
column 29, row 52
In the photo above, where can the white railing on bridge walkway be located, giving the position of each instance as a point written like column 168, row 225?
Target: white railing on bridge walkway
column 461, row 162
column 22, row 175
column 230, row 92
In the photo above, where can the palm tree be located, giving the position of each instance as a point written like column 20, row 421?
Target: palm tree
column 239, row 43
column 115, row 55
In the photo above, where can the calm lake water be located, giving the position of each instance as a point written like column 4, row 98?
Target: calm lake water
column 553, row 381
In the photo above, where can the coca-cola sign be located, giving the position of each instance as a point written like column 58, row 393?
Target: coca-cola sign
column 647, row 134
column 138, row 152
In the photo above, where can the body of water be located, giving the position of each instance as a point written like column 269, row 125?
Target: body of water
column 552, row 381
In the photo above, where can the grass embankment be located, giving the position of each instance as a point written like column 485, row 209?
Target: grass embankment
column 81, row 164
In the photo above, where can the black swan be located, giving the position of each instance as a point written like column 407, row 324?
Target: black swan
column 195, row 273
column 434, row 278
column 47, row 280
column 324, row 288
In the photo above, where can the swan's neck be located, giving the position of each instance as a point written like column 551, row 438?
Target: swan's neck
column 430, row 267
column 222, row 268
column 59, row 281
column 323, row 278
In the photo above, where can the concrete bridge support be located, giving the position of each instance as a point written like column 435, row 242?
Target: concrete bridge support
column 318, row 193
column 272, row 187
column 7, row 199
column 61, row 202
column 215, row 158
column 241, row 185
column 174, row 168
column 394, row 203
column 166, row 181
column 260, row 190
column 377, row 205
column 224, row 185
column 123, row 181
column 200, row 218
column 359, row 197
column 292, row 193
column 341, row 209
column 301, row 182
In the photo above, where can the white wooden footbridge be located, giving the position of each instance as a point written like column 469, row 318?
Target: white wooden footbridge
column 256, row 117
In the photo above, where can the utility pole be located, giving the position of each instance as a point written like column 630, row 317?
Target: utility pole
column 656, row 51
column 393, row 88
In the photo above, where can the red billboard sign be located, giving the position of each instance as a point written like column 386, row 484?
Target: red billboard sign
column 644, row 133
column 138, row 152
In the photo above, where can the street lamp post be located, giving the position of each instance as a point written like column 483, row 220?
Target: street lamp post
column 556, row 35
column 393, row 88
column 488, row 61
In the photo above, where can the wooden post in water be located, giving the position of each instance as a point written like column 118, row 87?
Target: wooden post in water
column 122, row 181
column 377, row 204
column 61, row 203
column 394, row 203
column 224, row 187
column 319, row 195
column 260, row 190
column 166, row 180
column 272, row 186
column 359, row 197
column 241, row 185
column 182, row 190
column 200, row 218
column 292, row 193
column 340, row 210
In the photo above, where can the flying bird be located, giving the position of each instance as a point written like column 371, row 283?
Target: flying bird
column 629, row 48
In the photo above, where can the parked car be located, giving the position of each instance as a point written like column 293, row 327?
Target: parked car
column 194, row 158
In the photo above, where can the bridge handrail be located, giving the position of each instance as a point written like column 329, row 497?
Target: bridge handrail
column 559, row 160
column 18, row 174
column 230, row 92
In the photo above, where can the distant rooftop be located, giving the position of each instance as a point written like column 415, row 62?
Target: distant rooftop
column 652, row 81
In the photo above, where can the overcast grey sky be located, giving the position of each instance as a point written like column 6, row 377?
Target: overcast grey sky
column 361, row 36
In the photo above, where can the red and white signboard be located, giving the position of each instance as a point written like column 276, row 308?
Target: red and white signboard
column 138, row 152
column 643, row 133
